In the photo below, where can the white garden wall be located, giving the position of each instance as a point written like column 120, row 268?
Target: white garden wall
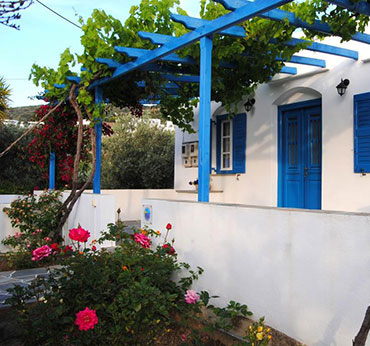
column 342, row 189
column 306, row 271
column 93, row 212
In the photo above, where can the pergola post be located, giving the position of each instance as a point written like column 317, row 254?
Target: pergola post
column 52, row 171
column 204, row 118
column 98, row 131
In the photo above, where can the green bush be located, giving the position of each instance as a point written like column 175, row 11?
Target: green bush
column 138, row 156
column 131, row 290
column 34, row 218
column 17, row 175
column 125, row 297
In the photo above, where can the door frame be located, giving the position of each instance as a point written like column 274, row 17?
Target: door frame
column 281, row 110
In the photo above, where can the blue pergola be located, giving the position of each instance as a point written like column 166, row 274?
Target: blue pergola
column 203, row 30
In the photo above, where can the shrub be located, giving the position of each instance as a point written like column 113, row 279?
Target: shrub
column 17, row 175
column 138, row 156
column 130, row 290
column 125, row 297
column 35, row 218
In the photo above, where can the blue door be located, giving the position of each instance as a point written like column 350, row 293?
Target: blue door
column 300, row 155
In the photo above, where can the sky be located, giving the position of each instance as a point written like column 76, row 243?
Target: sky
column 43, row 36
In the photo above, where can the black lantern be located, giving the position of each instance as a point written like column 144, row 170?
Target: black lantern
column 249, row 104
column 342, row 86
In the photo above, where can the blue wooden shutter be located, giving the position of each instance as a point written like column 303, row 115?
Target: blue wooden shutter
column 362, row 133
column 239, row 129
column 239, row 142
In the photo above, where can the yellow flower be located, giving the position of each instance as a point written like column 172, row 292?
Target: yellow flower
column 259, row 336
column 269, row 337
column 268, row 330
column 260, row 329
column 250, row 328
column 124, row 268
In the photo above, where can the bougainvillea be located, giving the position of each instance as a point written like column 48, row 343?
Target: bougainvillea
column 58, row 134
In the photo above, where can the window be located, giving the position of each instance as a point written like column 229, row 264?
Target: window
column 226, row 145
column 231, row 144
column 361, row 127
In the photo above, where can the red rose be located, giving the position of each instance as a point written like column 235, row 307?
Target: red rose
column 169, row 226
column 55, row 247
column 67, row 248
column 93, row 248
column 169, row 248
column 79, row 234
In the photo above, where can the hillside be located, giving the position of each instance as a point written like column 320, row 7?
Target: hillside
column 21, row 113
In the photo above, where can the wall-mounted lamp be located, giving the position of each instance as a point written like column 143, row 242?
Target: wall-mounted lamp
column 342, row 86
column 249, row 104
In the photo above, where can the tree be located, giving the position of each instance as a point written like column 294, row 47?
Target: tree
column 9, row 11
column 17, row 173
column 139, row 155
column 4, row 98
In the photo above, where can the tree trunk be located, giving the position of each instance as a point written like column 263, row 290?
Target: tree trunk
column 73, row 197
column 361, row 337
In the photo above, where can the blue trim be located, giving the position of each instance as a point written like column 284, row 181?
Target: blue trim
column 362, row 7
column 140, row 52
column 281, row 109
column 280, row 15
column 98, row 131
column 361, row 133
column 324, row 48
column 74, row 79
column 239, row 135
column 195, row 23
column 204, row 118
column 52, row 171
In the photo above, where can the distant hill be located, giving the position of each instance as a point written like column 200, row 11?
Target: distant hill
column 21, row 113
column 27, row 113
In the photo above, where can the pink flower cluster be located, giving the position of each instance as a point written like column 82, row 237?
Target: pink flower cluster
column 191, row 297
column 37, row 231
column 79, row 234
column 41, row 252
column 86, row 319
column 142, row 239
column 17, row 235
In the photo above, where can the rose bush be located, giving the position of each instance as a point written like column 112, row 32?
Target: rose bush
column 125, row 297
column 34, row 218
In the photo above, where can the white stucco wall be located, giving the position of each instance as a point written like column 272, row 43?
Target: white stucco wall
column 342, row 189
column 92, row 212
column 305, row 271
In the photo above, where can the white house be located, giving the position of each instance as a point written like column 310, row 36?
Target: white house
column 287, row 229
column 302, row 145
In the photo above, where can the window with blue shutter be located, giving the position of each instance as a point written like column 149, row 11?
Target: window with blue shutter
column 231, row 135
column 362, row 133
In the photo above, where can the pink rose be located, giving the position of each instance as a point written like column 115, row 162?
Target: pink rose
column 183, row 337
column 142, row 239
column 191, row 297
column 86, row 319
column 17, row 235
column 41, row 252
column 79, row 234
